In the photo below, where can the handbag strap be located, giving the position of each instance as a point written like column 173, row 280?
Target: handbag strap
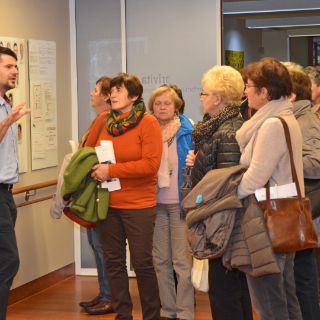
column 293, row 168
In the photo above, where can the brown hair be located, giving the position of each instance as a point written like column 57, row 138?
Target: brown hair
column 271, row 74
column 301, row 83
column 131, row 82
column 105, row 84
column 179, row 93
column 105, row 87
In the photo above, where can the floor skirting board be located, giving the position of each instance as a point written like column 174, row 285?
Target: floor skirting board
column 41, row 283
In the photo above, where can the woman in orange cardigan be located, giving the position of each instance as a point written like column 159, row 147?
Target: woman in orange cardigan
column 137, row 144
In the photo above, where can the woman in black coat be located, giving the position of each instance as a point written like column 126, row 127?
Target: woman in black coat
column 216, row 147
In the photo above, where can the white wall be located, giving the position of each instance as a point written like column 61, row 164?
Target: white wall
column 44, row 245
column 238, row 38
column 167, row 42
column 275, row 44
column 98, row 49
column 261, row 43
column 173, row 42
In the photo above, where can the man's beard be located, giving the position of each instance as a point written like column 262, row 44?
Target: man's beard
column 9, row 86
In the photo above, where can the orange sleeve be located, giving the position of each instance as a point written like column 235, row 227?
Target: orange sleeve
column 95, row 130
column 151, row 147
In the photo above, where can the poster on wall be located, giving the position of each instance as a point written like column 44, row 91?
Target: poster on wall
column 42, row 76
column 234, row 59
column 17, row 95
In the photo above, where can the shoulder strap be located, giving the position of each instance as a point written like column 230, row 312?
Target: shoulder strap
column 293, row 168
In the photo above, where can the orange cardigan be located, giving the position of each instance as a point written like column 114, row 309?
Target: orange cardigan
column 138, row 155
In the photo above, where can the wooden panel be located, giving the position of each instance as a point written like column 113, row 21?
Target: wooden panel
column 61, row 301
column 42, row 283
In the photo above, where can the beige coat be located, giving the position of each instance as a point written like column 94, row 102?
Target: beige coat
column 264, row 149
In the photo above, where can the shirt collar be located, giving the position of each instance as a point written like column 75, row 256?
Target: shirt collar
column 4, row 100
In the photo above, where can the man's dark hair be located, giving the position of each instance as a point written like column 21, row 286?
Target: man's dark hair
column 7, row 51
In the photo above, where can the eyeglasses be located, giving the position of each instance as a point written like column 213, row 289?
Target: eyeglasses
column 204, row 94
column 246, row 85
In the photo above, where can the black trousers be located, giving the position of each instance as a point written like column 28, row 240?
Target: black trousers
column 306, row 278
column 9, row 258
column 318, row 268
column 228, row 293
column 137, row 226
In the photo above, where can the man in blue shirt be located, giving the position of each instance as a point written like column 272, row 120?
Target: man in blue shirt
column 9, row 258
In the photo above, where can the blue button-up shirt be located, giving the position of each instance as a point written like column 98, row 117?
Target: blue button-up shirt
column 9, row 172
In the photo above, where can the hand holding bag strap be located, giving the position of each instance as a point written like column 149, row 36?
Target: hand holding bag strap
column 293, row 168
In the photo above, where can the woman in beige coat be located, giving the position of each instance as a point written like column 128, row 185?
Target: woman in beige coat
column 264, row 150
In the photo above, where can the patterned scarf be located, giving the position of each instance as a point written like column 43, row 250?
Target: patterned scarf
column 204, row 129
column 118, row 125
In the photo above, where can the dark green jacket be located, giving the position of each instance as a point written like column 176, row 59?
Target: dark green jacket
column 88, row 200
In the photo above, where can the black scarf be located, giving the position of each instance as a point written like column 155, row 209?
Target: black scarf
column 204, row 129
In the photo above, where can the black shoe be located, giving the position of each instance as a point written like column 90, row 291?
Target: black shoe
column 103, row 307
column 91, row 303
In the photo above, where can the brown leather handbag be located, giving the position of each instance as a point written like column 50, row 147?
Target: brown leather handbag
column 289, row 220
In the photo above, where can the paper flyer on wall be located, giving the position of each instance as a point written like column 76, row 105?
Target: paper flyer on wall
column 105, row 154
column 43, row 102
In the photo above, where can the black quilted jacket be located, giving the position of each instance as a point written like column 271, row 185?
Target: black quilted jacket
column 220, row 151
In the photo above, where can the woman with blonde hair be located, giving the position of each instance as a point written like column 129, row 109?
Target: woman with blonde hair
column 170, row 246
column 216, row 147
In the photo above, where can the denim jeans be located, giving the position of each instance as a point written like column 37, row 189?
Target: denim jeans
column 306, row 277
column 95, row 243
column 9, row 258
column 274, row 296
